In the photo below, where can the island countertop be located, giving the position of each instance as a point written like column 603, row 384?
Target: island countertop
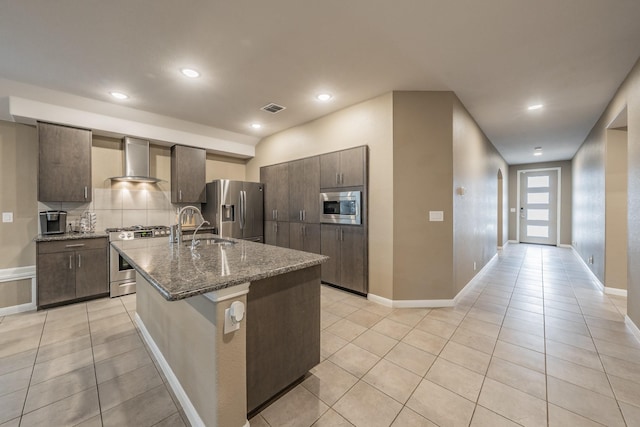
column 177, row 272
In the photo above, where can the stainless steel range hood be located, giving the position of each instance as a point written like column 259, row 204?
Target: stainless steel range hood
column 136, row 161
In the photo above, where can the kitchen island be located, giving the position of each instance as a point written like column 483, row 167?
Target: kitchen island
column 183, row 306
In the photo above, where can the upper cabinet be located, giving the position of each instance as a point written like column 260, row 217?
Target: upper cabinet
column 343, row 168
column 304, row 187
column 188, row 174
column 64, row 164
column 276, row 192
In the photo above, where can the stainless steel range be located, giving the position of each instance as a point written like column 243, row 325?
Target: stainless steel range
column 122, row 277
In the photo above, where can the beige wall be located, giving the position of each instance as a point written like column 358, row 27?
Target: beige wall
column 566, row 206
column 18, row 183
column 367, row 123
column 476, row 164
column 219, row 167
column 589, row 203
column 615, row 272
column 422, row 177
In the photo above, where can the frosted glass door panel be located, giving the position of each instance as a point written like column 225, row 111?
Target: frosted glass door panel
column 538, row 198
column 537, row 231
column 538, row 181
column 538, row 214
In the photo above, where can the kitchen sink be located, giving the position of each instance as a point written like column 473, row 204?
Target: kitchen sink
column 207, row 241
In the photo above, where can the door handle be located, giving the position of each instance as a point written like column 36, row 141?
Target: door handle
column 180, row 195
column 243, row 210
column 79, row 260
column 86, row 192
column 522, row 212
column 70, row 262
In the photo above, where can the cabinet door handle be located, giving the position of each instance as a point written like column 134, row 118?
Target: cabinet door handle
column 341, row 235
column 337, row 234
column 70, row 262
column 276, row 215
column 86, row 192
column 337, row 178
column 304, row 215
column 77, row 245
column 180, row 195
column 341, row 178
column 275, row 228
column 300, row 215
column 79, row 260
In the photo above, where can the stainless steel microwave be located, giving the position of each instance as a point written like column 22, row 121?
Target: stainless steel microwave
column 341, row 208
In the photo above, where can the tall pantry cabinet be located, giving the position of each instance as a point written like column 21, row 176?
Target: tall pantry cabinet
column 292, row 210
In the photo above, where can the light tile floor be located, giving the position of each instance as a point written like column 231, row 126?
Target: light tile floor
column 533, row 342
column 81, row 365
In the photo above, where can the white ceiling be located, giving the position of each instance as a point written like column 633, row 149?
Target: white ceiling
column 498, row 56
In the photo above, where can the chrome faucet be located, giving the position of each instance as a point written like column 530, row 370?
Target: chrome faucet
column 176, row 230
column 195, row 242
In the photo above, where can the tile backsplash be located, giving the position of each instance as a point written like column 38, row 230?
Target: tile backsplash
column 122, row 208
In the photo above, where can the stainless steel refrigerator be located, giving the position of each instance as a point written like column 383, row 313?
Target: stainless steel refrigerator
column 235, row 208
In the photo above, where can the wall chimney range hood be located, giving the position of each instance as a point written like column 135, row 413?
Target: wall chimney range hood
column 136, row 161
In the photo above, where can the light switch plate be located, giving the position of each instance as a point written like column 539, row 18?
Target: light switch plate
column 436, row 216
column 513, row 210
column 7, row 216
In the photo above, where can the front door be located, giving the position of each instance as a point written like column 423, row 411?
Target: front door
column 539, row 207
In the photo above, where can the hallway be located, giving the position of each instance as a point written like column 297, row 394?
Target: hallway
column 532, row 342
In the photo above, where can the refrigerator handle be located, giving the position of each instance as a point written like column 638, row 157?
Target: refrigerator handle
column 243, row 210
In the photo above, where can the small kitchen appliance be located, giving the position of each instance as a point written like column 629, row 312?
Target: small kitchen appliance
column 341, row 207
column 53, row 222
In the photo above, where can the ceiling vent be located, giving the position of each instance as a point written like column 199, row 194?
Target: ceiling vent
column 273, row 108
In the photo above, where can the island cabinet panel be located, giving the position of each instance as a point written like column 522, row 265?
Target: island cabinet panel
column 283, row 333
column 188, row 174
column 69, row 270
column 344, row 168
column 304, row 190
column 346, row 248
column 64, row 164
column 276, row 192
column 276, row 233
column 304, row 237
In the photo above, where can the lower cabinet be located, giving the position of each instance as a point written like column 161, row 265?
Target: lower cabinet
column 346, row 248
column 304, row 237
column 71, row 269
column 276, row 233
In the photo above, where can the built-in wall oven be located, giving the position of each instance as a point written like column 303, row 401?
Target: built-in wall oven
column 122, row 277
column 343, row 207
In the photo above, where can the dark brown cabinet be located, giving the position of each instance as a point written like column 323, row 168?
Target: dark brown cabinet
column 64, row 164
column 343, row 168
column 71, row 269
column 188, row 174
column 346, row 248
column 304, row 237
column 276, row 233
column 304, row 190
column 276, row 192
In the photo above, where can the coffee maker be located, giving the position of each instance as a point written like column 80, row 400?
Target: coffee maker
column 53, row 222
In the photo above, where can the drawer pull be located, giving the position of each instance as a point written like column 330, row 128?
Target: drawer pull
column 77, row 245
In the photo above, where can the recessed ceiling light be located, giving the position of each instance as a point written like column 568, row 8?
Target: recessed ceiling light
column 189, row 72
column 256, row 125
column 537, row 151
column 534, row 107
column 324, row 97
column 119, row 95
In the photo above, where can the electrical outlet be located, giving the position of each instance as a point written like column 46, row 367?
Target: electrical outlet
column 7, row 216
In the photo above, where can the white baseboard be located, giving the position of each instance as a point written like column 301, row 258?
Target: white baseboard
column 593, row 276
column 187, row 406
column 20, row 273
column 615, row 291
column 430, row 303
column 632, row 326
column 564, row 245
column 513, row 242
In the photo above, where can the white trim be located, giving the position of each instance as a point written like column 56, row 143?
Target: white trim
column 430, row 303
column 187, row 406
column 228, row 293
column 632, row 326
column 564, row 245
column 615, row 291
column 513, row 242
column 558, row 201
column 20, row 273
column 595, row 278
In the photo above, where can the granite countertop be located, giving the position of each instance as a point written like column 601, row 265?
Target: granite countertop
column 178, row 273
column 69, row 236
